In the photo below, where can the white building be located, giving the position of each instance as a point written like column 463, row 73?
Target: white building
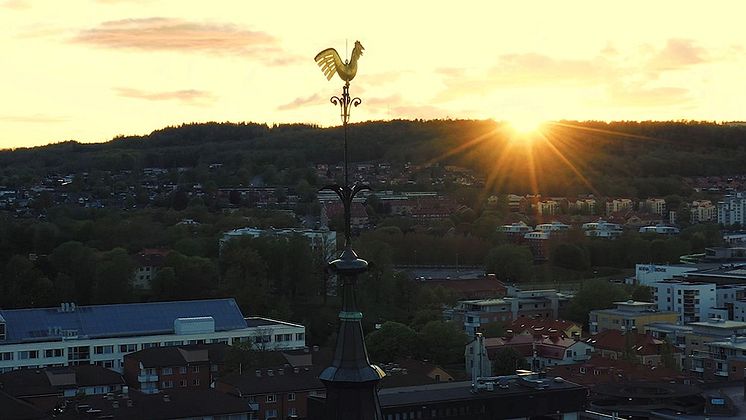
column 519, row 228
column 602, row 229
column 660, row 230
column 324, row 239
column 103, row 334
column 692, row 302
column 732, row 209
column 646, row 274
column 552, row 227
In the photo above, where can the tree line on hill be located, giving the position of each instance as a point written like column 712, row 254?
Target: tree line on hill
column 619, row 158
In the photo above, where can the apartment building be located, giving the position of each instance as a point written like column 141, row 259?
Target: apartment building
column 700, row 358
column 702, row 211
column 727, row 359
column 161, row 368
column 654, row 205
column 618, row 204
column 732, row 209
column 547, row 207
column 104, row 334
column 629, row 315
column 690, row 301
column 531, row 304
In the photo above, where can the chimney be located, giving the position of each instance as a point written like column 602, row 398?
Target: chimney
column 296, row 370
column 258, row 373
column 166, row 398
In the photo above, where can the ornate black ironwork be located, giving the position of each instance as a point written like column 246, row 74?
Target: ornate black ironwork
column 351, row 381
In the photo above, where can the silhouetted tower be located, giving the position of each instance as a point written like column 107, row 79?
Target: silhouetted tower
column 351, row 381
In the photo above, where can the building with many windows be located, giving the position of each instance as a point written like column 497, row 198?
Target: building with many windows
column 629, row 315
column 602, row 229
column 103, row 334
column 732, row 210
column 691, row 302
column 702, row 211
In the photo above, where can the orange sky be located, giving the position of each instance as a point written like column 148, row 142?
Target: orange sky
column 89, row 70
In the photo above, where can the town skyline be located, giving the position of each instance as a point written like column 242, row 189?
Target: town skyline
column 96, row 69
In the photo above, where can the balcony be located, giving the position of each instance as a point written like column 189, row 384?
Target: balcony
column 143, row 377
column 721, row 373
column 697, row 369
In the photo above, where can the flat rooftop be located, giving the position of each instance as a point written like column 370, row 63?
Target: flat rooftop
column 725, row 324
column 462, row 390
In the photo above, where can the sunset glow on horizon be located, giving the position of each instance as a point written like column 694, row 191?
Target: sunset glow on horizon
column 89, row 70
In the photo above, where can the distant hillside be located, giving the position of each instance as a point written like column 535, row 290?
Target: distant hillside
column 620, row 158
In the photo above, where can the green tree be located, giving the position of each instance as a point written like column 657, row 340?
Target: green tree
column 506, row 361
column 442, row 342
column 494, row 329
column 569, row 256
column 391, row 342
column 594, row 294
column 113, row 276
column 510, row 262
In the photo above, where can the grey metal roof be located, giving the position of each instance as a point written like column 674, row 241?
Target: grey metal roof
column 98, row 321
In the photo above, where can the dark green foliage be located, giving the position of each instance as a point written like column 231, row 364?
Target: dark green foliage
column 594, row 294
column 506, row 361
column 391, row 342
column 569, row 256
column 442, row 342
column 511, row 263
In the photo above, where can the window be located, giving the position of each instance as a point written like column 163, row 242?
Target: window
column 292, row 411
column 168, row 384
column 53, row 353
column 8, row 355
column 213, row 368
column 2, row 331
column 183, row 383
column 291, row 396
column 300, row 336
column 28, row 354
column 103, row 350
column 167, row 371
column 195, row 369
column 568, row 353
column 195, row 382
column 271, row 398
column 150, row 371
column 173, row 343
column 128, row 348
column 149, row 345
column 270, row 414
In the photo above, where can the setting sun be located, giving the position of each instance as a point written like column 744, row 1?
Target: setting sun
column 526, row 125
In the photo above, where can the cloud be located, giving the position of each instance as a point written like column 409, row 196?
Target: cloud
column 168, row 34
column 631, row 95
column 16, row 4
column 300, row 102
column 32, row 119
column 394, row 99
column 676, row 54
column 188, row 96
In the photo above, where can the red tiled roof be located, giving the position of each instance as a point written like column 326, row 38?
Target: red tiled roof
column 614, row 340
column 540, row 325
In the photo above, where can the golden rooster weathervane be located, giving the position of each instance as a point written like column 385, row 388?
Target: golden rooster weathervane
column 330, row 63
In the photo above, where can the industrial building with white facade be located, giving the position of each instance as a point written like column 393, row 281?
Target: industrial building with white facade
column 103, row 334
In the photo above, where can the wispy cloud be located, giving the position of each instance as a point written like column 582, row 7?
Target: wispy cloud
column 168, row 34
column 629, row 95
column 301, row 102
column 676, row 54
column 188, row 96
column 32, row 119
column 16, row 4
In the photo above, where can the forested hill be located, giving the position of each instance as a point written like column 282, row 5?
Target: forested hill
column 588, row 156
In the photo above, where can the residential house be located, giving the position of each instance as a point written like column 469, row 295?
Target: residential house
column 629, row 345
